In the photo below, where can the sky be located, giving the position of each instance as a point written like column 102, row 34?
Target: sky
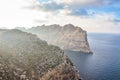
column 91, row 15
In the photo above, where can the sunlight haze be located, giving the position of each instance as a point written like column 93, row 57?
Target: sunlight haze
column 92, row 15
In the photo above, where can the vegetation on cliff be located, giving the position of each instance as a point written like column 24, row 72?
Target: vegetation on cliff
column 23, row 56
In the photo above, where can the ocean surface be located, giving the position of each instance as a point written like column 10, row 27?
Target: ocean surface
column 104, row 63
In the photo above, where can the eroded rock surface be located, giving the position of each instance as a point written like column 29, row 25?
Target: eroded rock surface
column 68, row 37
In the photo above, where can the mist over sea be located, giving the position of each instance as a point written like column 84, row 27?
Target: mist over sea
column 104, row 63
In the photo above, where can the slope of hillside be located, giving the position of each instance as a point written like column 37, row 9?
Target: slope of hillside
column 67, row 37
column 23, row 56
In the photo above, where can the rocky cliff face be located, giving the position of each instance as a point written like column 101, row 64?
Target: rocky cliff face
column 67, row 37
column 23, row 56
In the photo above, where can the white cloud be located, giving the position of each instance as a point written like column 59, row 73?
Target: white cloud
column 99, row 23
column 78, row 2
column 14, row 13
column 85, row 2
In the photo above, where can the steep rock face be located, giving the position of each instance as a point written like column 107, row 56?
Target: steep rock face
column 23, row 56
column 62, row 72
column 66, row 37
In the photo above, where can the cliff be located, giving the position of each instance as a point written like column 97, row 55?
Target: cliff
column 67, row 37
column 23, row 56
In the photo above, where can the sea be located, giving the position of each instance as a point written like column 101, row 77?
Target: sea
column 104, row 63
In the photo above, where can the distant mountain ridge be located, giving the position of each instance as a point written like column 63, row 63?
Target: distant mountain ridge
column 68, row 37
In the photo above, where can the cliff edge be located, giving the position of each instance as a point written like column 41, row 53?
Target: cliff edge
column 67, row 37
column 23, row 56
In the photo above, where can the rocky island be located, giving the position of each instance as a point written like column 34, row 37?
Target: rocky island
column 23, row 56
column 67, row 37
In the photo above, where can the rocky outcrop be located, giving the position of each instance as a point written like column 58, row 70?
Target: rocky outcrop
column 68, row 37
column 23, row 56
column 62, row 72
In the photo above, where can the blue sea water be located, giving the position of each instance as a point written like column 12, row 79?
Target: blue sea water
column 104, row 63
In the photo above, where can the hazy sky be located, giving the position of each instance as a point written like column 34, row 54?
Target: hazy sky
column 91, row 15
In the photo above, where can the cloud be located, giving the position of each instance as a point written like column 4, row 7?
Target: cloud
column 28, row 13
column 13, row 14
column 56, row 8
column 116, row 20
column 74, row 7
column 46, row 5
column 50, row 6
column 76, row 2
column 41, row 21
column 79, row 12
column 86, row 2
column 74, row 12
column 99, row 23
